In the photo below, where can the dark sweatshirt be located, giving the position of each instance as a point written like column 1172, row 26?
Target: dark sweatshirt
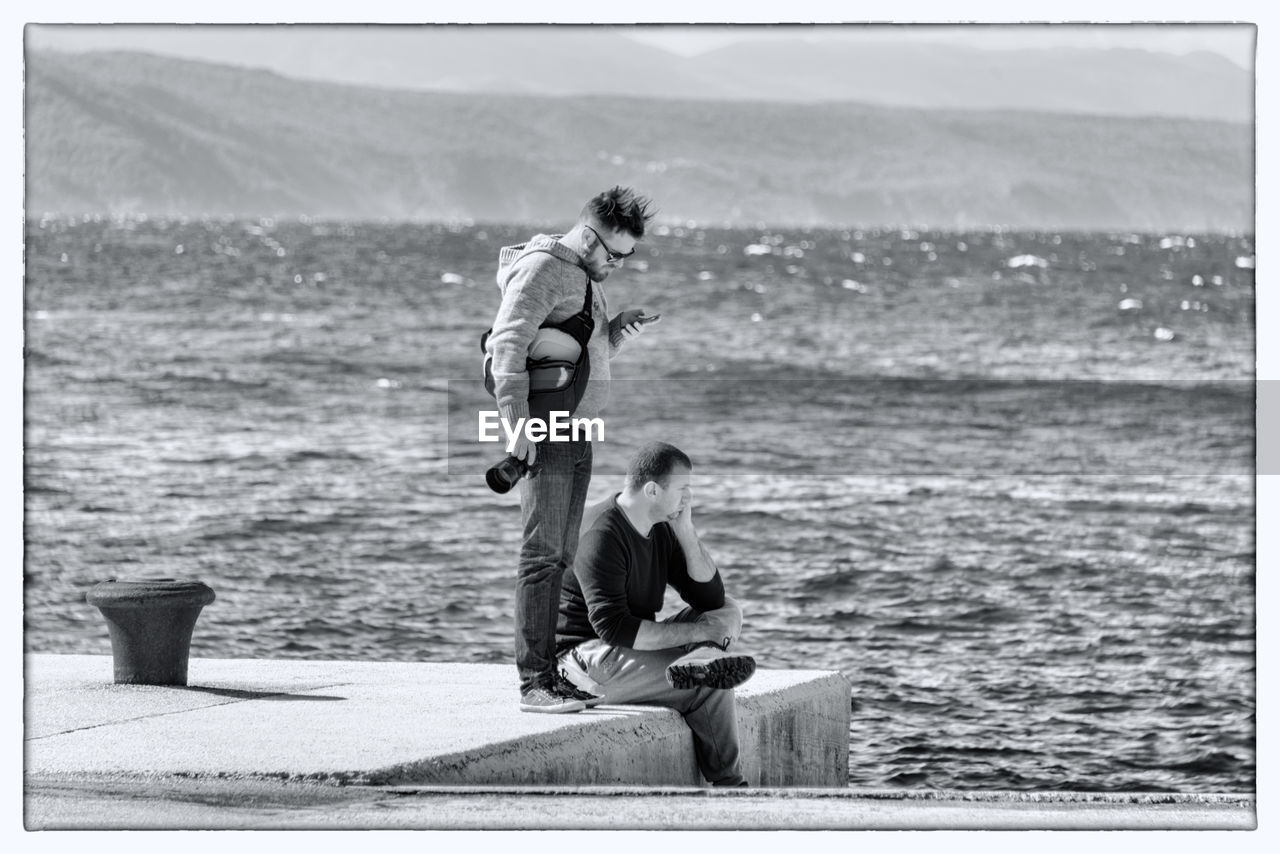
column 619, row 578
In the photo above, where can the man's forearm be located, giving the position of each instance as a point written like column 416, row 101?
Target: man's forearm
column 652, row 635
column 700, row 565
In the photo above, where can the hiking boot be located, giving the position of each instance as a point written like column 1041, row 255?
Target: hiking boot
column 712, row 667
column 562, row 683
column 549, row 699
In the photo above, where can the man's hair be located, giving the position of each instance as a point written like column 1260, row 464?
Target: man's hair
column 655, row 461
column 619, row 209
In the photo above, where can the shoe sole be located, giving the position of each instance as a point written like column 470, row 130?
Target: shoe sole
column 561, row 709
column 719, row 673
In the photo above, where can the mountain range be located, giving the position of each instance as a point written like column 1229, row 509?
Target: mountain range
column 122, row 132
column 899, row 68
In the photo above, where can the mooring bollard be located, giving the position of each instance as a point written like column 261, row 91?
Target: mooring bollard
column 150, row 621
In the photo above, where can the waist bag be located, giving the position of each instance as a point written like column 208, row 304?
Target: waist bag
column 555, row 385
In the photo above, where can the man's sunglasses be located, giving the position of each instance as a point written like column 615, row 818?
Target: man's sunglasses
column 609, row 253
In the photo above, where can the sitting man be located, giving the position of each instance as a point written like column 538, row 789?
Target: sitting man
column 608, row 642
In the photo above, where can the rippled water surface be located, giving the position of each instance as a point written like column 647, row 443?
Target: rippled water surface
column 1003, row 482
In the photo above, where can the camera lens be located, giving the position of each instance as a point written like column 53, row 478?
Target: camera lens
column 502, row 476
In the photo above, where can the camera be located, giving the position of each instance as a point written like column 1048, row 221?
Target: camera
column 505, row 474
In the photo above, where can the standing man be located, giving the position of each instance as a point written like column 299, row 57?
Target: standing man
column 609, row 642
column 545, row 281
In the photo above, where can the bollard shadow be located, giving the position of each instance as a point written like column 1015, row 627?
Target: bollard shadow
column 239, row 694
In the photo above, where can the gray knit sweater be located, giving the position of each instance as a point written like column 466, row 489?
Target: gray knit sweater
column 538, row 287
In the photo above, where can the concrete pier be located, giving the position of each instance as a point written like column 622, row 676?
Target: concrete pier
column 382, row 745
column 380, row 723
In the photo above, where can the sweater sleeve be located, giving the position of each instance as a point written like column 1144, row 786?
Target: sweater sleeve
column 530, row 296
column 615, row 336
column 601, row 570
column 699, row 595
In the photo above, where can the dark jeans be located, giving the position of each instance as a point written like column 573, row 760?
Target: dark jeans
column 551, row 512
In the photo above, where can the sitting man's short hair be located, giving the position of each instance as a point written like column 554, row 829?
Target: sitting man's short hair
column 655, row 461
column 619, row 209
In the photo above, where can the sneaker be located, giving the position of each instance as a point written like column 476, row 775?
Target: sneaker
column 741, row 784
column 712, row 667
column 549, row 699
column 564, row 686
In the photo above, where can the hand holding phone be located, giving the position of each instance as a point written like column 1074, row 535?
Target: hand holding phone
column 634, row 320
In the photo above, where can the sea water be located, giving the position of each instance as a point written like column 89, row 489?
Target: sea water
column 1002, row 481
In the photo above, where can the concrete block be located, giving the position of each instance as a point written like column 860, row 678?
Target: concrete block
column 405, row 723
column 797, row 735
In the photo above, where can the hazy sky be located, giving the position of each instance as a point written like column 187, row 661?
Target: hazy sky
column 1232, row 41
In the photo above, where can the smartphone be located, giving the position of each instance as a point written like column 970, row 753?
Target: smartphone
column 650, row 318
